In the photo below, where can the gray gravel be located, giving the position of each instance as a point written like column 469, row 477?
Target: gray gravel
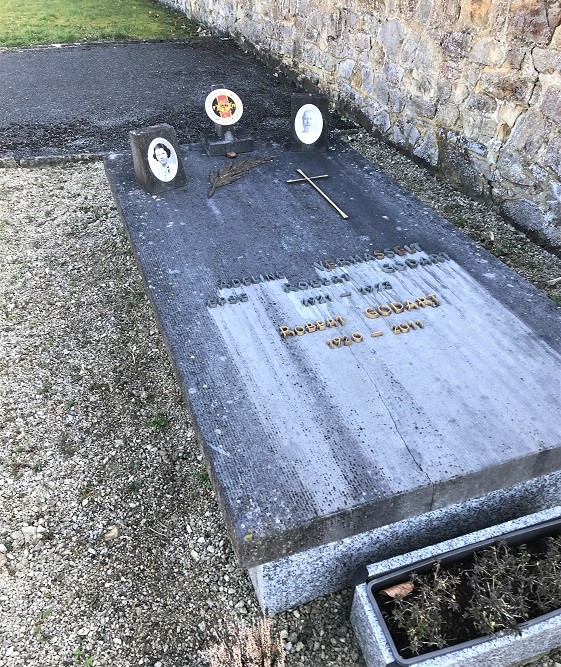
column 112, row 548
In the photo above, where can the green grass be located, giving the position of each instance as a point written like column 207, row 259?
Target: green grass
column 202, row 477
column 63, row 21
column 159, row 421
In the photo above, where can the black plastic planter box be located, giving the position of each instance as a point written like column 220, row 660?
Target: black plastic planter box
column 521, row 536
column 537, row 636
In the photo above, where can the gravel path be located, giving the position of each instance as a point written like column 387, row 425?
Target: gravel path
column 112, row 549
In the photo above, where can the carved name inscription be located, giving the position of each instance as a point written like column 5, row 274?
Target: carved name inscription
column 403, row 259
column 431, row 301
column 377, row 256
column 384, row 310
column 311, row 327
column 356, row 337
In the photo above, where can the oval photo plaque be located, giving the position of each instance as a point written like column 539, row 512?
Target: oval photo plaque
column 308, row 124
column 162, row 159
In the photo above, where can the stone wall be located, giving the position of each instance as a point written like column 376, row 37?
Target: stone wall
column 472, row 87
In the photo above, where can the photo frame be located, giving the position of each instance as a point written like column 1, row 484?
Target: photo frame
column 309, row 122
column 156, row 158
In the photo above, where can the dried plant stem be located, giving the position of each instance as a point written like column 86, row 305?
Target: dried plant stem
column 248, row 646
column 233, row 171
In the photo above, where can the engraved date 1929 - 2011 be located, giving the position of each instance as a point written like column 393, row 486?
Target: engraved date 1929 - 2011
column 357, row 337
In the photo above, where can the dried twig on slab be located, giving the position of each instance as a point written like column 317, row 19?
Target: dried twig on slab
column 233, row 171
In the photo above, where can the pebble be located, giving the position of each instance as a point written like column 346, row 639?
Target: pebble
column 112, row 533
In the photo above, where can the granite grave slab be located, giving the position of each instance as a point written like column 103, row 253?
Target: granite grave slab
column 342, row 374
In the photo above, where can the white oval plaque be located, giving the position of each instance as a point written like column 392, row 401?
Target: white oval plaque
column 308, row 124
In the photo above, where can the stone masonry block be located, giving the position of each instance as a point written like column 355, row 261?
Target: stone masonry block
column 425, row 11
column 527, row 213
column 443, row 89
column 554, row 200
column 456, row 165
column 419, row 106
column 515, row 57
column 509, row 113
column 447, row 13
column 510, row 168
column 553, row 9
column 529, row 133
column 408, row 8
column 411, row 134
column 551, row 104
column 451, row 70
column 552, row 156
column 396, row 100
column 381, row 121
column 556, row 39
column 479, row 128
column 367, row 80
column 508, row 86
column 457, row 44
column 409, row 49
column 482, row 103
column 381, row 90
column 396, row 136
column 390, row 36
column 447, row 115
column 479, row 12
column 345, row 69
column 428, row 149
column 393, row 72
column 547, row 60
column 529, row 21
column 488, row 51
column 360, row 41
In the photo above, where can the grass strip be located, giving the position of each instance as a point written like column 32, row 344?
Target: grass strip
column 34, row 22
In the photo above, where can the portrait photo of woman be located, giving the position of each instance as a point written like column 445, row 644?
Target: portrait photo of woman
column 162, row 159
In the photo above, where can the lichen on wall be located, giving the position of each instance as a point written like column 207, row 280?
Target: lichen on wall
column 472, row 87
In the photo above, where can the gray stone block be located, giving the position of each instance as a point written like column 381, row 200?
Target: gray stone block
column 345, row 69
column 390, row 36
column 551, row 103
column 427, row 150
column 308, row 442
column 553, row 155
column 216, row 147
column 294, row 580
column 396, row 100
column 488, row 51
column 457, row 44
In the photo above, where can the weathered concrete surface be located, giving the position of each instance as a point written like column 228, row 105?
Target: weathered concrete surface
column 288, row 582
column 473, row 88
column 308, row 443
column 86, row 99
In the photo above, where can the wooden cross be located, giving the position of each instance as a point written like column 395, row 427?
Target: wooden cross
column 310, row 180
